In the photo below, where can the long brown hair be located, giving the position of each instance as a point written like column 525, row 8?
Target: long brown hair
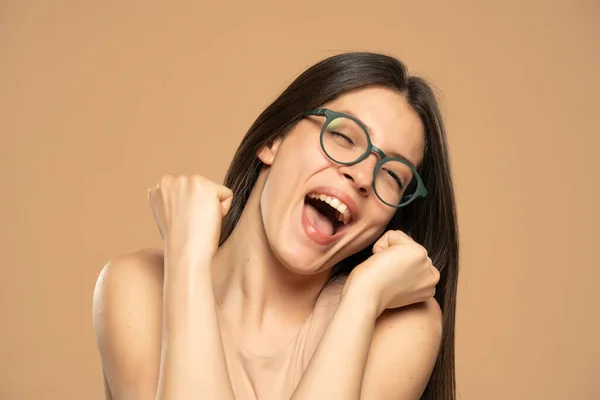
column 430, row 221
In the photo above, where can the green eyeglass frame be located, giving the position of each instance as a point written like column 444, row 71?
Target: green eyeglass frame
column 330, row 115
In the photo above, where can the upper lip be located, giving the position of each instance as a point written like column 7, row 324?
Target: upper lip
column 341, row 196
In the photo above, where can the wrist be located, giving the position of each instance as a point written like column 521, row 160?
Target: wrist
column 362, row 296
column 187, row 254
column 187, row 284
column 186, row 272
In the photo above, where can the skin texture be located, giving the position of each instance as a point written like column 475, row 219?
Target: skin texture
column 266, row 277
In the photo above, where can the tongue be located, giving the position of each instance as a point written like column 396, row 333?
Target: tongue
column 320, row 222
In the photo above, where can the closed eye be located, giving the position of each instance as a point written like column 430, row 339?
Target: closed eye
column 396, row 178
column 341, row 135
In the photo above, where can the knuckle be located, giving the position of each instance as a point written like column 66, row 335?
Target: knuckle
column 421, row 253
column 403, row 235
column 166, row 180
column 182, row 178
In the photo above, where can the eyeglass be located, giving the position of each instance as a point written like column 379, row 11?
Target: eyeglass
column 346, row 141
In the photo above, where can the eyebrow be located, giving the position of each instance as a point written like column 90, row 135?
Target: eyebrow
column 369, row 129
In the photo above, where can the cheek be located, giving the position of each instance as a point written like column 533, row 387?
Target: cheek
column 378, row 218
column 310, row 155
column 297, row 160
column 288, row 178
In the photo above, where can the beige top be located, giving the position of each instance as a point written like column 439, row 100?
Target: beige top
column 275, row 376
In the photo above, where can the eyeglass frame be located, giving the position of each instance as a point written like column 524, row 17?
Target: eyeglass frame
column 421, row 190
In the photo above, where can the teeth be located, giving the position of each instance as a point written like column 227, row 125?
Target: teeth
column 343, row 209
column 344, row 215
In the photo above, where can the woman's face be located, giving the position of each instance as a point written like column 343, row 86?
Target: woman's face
column 300, row 236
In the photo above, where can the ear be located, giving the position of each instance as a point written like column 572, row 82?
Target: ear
column 267, row 153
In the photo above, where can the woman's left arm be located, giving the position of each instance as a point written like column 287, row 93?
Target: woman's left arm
column 383, row 340
column 360, row 358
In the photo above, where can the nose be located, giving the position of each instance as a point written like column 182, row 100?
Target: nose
column 360, row 175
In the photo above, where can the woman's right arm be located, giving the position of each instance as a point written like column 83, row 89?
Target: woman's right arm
column 157, row 329
column 155, row 314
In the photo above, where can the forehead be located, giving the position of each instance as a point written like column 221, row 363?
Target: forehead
column 393, row 124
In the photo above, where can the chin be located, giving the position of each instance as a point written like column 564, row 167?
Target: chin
column 298, row 259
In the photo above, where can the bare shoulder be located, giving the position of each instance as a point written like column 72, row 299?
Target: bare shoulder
column 131, row 282
column 145, row 264
column 403, row 351
column 127, row 314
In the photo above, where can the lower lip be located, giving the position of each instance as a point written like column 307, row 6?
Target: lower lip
column 315, row 235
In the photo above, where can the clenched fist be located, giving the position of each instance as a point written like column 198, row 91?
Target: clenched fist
column 188, row 211
column 399, row 272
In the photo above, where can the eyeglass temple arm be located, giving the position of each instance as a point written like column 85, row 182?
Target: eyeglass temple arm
column 318, row 111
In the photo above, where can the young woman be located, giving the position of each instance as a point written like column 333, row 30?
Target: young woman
column 325, row 267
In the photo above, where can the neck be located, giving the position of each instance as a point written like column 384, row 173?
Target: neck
column 250, row 283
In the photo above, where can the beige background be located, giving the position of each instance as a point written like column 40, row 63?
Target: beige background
column 99, row 99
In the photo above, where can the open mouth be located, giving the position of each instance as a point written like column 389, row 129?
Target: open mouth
column 326, row 213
